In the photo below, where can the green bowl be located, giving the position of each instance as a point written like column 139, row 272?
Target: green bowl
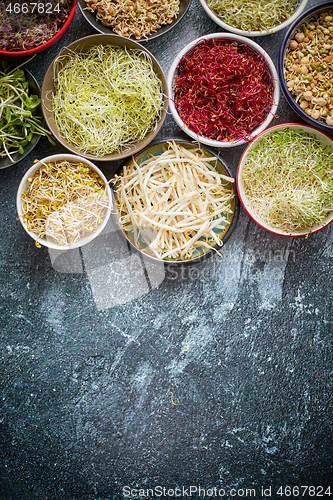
column 223, row 233
column 33, row 90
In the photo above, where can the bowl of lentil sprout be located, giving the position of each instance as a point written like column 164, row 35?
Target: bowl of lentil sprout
column 28, row 27
column 138, row 19
column 63, row 201
column 223, row 89
column 305, row 66
column 253, row 17
column 285, row 179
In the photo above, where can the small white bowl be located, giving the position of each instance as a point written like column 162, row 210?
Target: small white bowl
column 324, row 139
column 237, row 31
column 232, row 38
column 48, row 241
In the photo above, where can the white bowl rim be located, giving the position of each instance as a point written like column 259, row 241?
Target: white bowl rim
column 226, row 36
column 237, row 31
column 32, row 170
column 239, row 183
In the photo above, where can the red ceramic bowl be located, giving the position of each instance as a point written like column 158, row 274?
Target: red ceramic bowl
column 43, row 46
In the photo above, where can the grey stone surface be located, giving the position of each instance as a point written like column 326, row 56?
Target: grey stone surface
column 116, row 372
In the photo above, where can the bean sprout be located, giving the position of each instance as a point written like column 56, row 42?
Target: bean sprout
column 64, row 201
column 175, row 203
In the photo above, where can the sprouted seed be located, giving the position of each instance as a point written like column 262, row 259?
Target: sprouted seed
column 19, row 118
column 64, row 201
column 223, row 90
column 173, row 202
column 138, row 18
column 253, row 15
column 30, row 23
column 106, row 99
column 288, row 180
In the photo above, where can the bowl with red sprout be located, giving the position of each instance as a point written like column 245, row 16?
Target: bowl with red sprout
column 248, row 18
column 29, row 27
column 305, row 66
column 223, row 90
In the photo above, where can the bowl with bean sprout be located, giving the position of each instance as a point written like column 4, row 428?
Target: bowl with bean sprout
column 223, row 89
column 305, row 66
column 176, row 202
column 285, row 179
column 138, row 19
column 104, row 97
column 30, row 26
column 253, row 17
column 63, row 201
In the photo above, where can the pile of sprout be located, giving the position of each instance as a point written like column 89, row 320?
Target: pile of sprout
column 309, row 67
column 288, row 180
column 175, row 203
column 64, row 201
column 138, row 18
column 106, row 99
column 31, row 23
column 20, row 118
column 253, row 15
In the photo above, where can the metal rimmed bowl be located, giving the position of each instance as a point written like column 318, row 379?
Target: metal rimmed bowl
column 26, row 7
column 98, row 26
column 143, row 245
column 48, row 241
column 229, row 38
column 278, row 202
column 219, row 20
column 83, row 45
column 303, row 95
column 33, row 90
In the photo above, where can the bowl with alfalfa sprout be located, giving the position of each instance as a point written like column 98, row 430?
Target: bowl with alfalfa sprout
column 285, row 179
column 253, row 17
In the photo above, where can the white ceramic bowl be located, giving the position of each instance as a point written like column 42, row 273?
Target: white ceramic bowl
column 324, row 138
column 237, row 31
column 48, row 241
column 232, row 38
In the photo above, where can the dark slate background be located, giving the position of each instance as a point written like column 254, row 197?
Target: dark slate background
column 97, row 345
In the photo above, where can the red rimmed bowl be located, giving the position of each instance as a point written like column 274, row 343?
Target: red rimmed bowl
column 258, row 174
column 24, row 8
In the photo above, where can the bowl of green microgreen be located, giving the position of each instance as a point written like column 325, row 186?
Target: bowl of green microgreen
column 28, row 27
column 21, row 117
column 63, row 201
column 104, row 97
column 305, row 66
column 223, row 89
column 253, row 17
column 285, row 179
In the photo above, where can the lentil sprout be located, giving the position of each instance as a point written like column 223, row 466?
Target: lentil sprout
column 309, row 67
column 253, row 15
column 138, row 18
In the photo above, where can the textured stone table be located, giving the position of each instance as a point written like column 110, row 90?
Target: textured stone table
column 119, row 374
